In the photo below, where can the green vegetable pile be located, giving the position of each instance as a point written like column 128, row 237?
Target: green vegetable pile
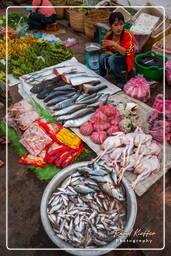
column 2, row 72
column 52, row 54
column 13, row 20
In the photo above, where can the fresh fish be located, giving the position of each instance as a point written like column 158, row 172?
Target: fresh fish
column 86, row 97
column 65, row 88
column 55, row 94
column 75, row 81
column 59, row 91
column 103, row 98
column 68, row 110
column 38, row 88
column 67, row 77
column 91, row 100
column 65, row 70
column 38, row 80
column 77, row 122
column 88, row 88
column 44, row 93
column 66, row 103
column 56, row 100
column 79, row 113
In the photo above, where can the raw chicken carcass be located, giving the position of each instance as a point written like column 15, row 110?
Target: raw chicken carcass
column 111, row 142
column 132, row 161
column 151, row 149
column 146, row 166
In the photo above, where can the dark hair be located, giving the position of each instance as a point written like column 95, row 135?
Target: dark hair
column 116, row 16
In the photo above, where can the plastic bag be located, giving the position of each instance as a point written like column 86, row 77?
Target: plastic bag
column 159, row 103
column 34, row 160
column 25, row 120
column 138, row 88
column 168, row 72
column 22, row 27
column 35, row 139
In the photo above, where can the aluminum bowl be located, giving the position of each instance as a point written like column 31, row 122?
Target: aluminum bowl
column 54, row 183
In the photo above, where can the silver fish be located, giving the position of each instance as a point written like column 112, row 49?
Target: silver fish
column 91, row 100
column 79, row 113
column 66, row 103
column 67, row 77
column 77, row 122
column 75, row 81
column 56, row 100
column 88, row 88
column 68, row 110
column 85, row 97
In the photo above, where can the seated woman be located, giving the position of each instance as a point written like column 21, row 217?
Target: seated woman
column 118, row 47
column 40, row 17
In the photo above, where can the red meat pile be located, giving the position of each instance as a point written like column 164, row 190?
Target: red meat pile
column 157, row 124
column 103, row 123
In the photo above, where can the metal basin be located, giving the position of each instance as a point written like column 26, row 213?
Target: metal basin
column 53, row 184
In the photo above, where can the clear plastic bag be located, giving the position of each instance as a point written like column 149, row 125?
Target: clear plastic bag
column 138, row 88
column 22, row 27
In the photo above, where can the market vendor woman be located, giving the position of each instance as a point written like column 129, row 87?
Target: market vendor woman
column 41, row 16
column 118, row 50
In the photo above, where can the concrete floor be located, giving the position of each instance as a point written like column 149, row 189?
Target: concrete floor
column 25, row 191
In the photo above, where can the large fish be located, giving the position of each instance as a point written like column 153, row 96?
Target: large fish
column 88, row 88
column 68, row 110
column 85, row 97
column 65, row 70
column 45, row 92
column 67, row 77
column 55, row 94
column 57, row 100
column 77, row 122
column 35, row 81
column 103, row 98
column 91, row 100
column 75, row 81
column 38, row 88
column 57, row 81
column 66, row 103
column 79, row 113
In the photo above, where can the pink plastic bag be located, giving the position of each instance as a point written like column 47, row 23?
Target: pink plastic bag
column 168, row 72
column 138, row 88
column 159, row 102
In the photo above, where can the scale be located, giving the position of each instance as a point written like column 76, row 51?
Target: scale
column 92, row 56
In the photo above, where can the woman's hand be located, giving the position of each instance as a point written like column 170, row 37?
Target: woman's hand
column 110, row 43
column 109, row 52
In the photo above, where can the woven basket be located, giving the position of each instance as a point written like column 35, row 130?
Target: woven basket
column 67, row 10
column 59, row 11
column 76, row 19
column 92, row 18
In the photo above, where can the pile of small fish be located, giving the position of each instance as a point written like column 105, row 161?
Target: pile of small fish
column 83, row 215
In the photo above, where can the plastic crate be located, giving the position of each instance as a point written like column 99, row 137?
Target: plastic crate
column 152, row 72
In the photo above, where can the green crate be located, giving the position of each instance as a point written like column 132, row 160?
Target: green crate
column 152, row 72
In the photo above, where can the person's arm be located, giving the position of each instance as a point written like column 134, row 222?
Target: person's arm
column 115, row 46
